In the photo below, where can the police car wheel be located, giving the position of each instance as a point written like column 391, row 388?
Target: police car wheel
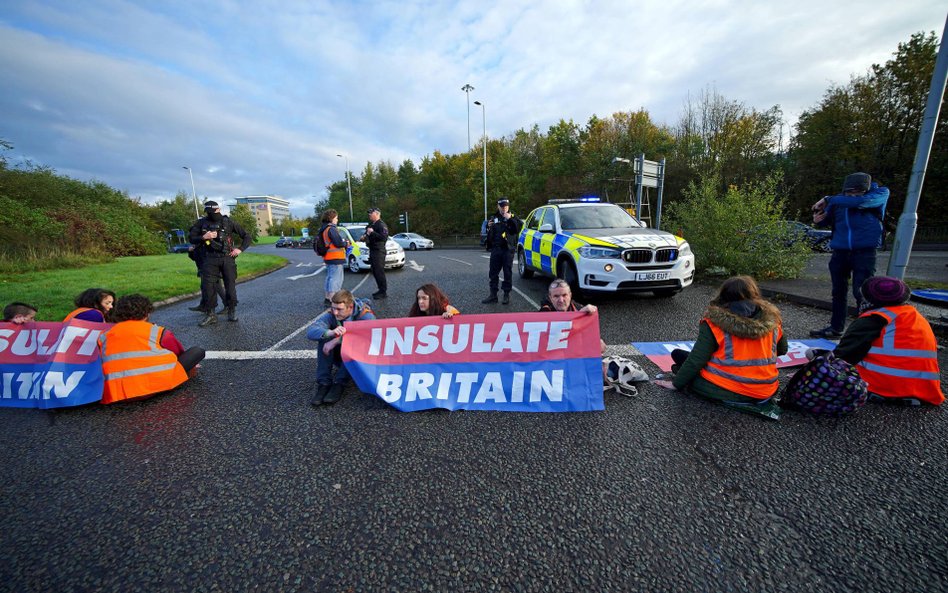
column 525, row 272
column 567, row 271
column 353, row 265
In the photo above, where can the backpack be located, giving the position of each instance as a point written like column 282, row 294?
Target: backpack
column 621, row 373
column 826, row 386
column 319, row 245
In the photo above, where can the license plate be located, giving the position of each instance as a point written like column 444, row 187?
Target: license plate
column 646, row 276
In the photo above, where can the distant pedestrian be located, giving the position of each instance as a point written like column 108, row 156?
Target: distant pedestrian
column 892, row 345
column 19, row 313
column 214, row 233
column 335, row 253
column 329, row 329
column 93, row 304
column 856, row 216
column 734, row 359
column 503, row 228
column 376, row 237
column 431, row 301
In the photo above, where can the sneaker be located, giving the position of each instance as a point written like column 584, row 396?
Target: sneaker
column 827, row 332
column 321, row 390
column 491, row 299
column 232, row 314
column 379, row 295
column 334, row 394
column 199, row 309
column 506, row 300
column 209, row 319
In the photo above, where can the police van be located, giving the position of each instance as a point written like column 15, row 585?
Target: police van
column 599, row 247
column 357, row 254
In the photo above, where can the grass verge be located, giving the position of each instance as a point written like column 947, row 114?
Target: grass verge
column 156, row 276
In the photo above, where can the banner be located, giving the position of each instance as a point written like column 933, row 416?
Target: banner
column 46, row 364
column 516, row 362
column 660, row 352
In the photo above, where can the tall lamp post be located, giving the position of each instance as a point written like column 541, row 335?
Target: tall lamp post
column 197, row 212
column 348, row 185
column 484, row 113
column 467, row 91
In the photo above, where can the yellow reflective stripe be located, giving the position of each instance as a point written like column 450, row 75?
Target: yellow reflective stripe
column 581, row 239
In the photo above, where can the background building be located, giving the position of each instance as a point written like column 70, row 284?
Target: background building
column 266, row 209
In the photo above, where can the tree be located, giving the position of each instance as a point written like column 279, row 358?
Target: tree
column 242, row 215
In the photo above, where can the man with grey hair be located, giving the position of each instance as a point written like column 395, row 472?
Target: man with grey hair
column 560, row 298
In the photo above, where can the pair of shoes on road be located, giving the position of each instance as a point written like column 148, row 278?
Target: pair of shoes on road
column 321, row 390
column 827, row 333
column 379, row 295
column 491, row 299
column 327, row 394
column 209, row 319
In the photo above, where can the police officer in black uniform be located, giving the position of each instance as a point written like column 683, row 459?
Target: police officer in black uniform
column 503, row 228
column 376, row 236
column 214, row 235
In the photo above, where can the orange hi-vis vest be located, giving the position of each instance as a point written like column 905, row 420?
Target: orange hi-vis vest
column 76, row 312
column 333, row 253
column 747, row 366
column 903, row 360
column 135, row 364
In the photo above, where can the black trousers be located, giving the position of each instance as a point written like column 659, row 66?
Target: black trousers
column 377, row 261
column 501, row 259
column 190, row 357
column 218, row 267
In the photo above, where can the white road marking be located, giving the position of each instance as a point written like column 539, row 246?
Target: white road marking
column 526, row 298
column 460, row 261
column 414, row 266
column 306, row 265
column 298, row 276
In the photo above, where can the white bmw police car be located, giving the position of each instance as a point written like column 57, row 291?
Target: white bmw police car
column 599, row 247
column 357, row 254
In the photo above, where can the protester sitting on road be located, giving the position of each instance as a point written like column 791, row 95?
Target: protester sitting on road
column 559, row 297
column 140, row 358
column 328, row 330
column 734, row 359
column 19, row 313
column 93, row 304
column 892, row 346
column 431, row 301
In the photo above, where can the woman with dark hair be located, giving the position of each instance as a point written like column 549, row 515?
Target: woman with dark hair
column 430, row 301
column 734, row 359
column 140, row 358
column 93, row 304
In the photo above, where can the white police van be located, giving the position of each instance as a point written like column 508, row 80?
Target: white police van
column 599, row 247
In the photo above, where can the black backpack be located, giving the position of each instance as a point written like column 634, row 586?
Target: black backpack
column 319, row 245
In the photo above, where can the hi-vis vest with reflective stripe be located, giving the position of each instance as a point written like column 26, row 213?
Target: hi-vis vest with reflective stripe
column 332, row 252
column 747, row 366
column 903, row 360
column 135, row 364
column 76, row 312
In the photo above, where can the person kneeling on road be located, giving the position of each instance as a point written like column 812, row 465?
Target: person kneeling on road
column 328, row 330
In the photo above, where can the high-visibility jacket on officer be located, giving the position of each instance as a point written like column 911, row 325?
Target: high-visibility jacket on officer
column 135, row 364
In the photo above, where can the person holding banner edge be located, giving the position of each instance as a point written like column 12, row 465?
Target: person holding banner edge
column 328, row 330
column 431, row 301
column 19, row 313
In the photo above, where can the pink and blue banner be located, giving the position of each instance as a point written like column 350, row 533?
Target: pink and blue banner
column 660, row 352
column 50, row 365
column 522, row 362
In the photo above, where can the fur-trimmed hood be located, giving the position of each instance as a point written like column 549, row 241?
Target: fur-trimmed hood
column 745, row 319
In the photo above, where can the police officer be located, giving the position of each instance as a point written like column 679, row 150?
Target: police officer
column 214, row 234
column 376, row 236
column 502, row 231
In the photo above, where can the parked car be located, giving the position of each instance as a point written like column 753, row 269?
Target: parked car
column 357, row 254
column 181, row 248
column 790, row 232
column 284, row 242
column 301, row 242
column 599, row 247
column 413, row 241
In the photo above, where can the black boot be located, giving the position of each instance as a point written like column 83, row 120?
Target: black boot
column 491, row 299
column 231, row 313
column 335, row 392
column 321, row 390
column 199, row 308
column 506, row 300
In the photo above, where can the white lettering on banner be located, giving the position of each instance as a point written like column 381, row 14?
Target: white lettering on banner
column 462, row 337
column 417, row 386
column 33, row 341
column 30, row 386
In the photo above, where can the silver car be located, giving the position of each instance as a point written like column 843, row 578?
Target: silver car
column 413, row 241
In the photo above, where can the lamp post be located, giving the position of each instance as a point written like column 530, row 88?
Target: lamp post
column 348, row 185
column 467, row 91
column 484, row 113
column 197, row 212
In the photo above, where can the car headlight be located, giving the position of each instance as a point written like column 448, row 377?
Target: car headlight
column 590, row 252
column 684, row 249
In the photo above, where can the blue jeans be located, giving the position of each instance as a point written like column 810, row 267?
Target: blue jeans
column 334, row 276
column 858, row 263
column 324, row 364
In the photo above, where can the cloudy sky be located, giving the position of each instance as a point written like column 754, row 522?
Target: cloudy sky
column 258, row 97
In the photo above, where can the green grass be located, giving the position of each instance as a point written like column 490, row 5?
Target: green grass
column 156, row 276
column 265, row 240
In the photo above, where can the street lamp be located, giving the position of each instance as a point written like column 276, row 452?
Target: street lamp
column 467, row 91
column 484, row 113
column 193, row 194
column 348, row 185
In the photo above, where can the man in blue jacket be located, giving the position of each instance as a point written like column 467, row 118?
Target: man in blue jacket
column 328, row 330
column 855, row 217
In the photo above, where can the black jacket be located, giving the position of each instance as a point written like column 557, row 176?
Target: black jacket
column 224, row 242
column 379, row 236
column 502, row 234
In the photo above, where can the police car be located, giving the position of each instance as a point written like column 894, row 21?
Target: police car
column 357, row 254
column 599, row 247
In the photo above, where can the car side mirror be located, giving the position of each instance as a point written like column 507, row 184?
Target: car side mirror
column 546, row 228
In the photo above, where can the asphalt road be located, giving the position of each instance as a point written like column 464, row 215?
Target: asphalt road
column 234, row 483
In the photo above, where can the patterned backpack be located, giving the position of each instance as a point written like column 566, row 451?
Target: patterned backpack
column 827, row 386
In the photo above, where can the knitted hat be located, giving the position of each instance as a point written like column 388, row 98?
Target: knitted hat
column 883, row 291
column 857, row 182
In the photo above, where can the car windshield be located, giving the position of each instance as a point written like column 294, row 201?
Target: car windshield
column 356, row 233
column 599, row 216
